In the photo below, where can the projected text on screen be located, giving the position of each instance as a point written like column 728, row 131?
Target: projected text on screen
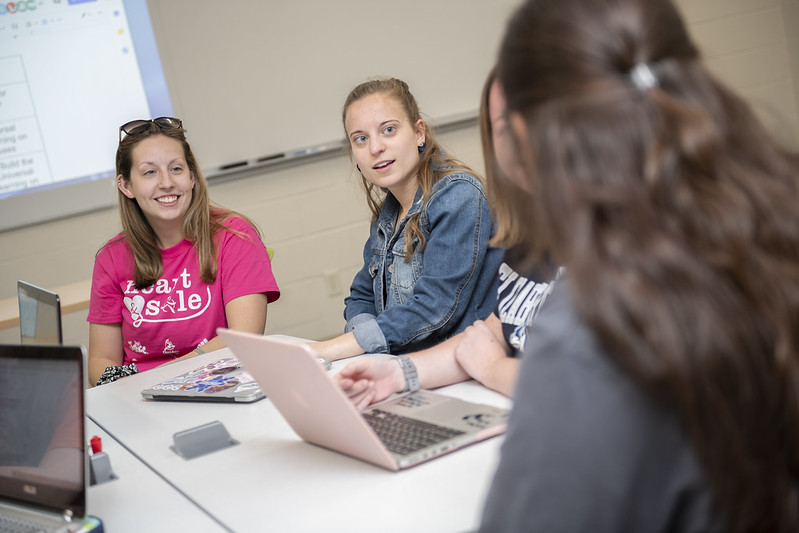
column 70, row 73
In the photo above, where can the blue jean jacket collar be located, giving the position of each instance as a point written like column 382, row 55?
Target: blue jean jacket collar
column 444, row 288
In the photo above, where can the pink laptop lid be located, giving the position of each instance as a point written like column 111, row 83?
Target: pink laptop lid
column 315, row 407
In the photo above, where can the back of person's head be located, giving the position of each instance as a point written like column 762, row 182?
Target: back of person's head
column 138, row 231
column 433, row 162
column 675, row 214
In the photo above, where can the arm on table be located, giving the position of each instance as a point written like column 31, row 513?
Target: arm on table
column 338, row 347
column 105, row 349
column 367, row 381
column 484, row 354
column 480, row 352
column 245, row 313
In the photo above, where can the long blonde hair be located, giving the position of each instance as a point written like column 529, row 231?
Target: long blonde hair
column 509, row 203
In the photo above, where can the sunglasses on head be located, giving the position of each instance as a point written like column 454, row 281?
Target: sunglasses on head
column 134, row 127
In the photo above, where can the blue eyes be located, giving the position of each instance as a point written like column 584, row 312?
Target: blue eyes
column 361, row 139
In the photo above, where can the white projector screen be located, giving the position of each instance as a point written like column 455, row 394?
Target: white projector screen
column 71, row 71
column 253, row 82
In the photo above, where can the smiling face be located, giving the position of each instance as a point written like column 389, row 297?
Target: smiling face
column 385, row 143
column 161, row 183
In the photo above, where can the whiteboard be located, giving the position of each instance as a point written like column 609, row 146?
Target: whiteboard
column 255, row 79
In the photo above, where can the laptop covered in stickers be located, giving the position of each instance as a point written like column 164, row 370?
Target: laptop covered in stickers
column 223, row 380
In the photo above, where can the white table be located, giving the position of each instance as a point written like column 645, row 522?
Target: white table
column 139, row 499
column 275, row 481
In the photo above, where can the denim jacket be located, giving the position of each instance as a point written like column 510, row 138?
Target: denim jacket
column 397, row 306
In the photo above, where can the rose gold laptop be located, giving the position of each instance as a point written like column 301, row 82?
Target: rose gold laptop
column 398, row 433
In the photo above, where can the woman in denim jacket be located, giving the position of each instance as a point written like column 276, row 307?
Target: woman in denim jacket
column 428, row 270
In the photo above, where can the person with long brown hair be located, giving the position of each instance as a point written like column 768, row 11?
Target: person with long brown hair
column 660, row 386
column 180, row 269
column 428, row 269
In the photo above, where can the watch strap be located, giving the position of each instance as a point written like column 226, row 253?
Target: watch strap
column 409, row 370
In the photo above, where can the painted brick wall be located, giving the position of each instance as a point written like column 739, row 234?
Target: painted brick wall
column 315, row 217
column 746, row 44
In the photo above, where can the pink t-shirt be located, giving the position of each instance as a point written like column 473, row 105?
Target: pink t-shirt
column 179, row 311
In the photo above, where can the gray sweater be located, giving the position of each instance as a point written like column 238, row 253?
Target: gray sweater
column 586, row 449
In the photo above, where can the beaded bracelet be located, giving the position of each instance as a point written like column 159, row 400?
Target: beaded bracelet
column 113, row 373
column 409, row 370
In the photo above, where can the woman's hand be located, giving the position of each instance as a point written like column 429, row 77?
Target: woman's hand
column 484, row 354
column 370, row 380
column 479, row 349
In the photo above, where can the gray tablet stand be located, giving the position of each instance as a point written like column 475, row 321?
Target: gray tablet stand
column 200, row 440
column 100, row 468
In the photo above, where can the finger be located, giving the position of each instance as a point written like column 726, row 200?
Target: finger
column 353, row 369
column 362, row 399
column 365, row 401
column 344, row 383
column 354, row 386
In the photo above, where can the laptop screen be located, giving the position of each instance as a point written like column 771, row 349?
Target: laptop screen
column 42, row 449
column 39, row 315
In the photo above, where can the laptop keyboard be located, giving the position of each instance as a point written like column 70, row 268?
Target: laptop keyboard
column 17, row 525
column 404, row 436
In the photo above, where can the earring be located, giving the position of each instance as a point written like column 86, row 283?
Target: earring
column 359, row 168
column 422, row 147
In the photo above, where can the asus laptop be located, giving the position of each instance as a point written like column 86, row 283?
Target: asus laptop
column 395, row 434
column 43, row 465
column 39, row 315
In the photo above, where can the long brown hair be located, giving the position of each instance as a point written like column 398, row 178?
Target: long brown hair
column 200, row 223
column 676, row 217
column 433, row 163
column 508, row 203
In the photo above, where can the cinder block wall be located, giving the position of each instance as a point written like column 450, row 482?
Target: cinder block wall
column 752, row 45
column 315, row 217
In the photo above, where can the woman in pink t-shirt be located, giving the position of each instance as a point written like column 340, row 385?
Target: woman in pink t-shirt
column 179, row 270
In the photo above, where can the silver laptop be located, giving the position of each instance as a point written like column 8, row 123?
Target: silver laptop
column 426, row 424
column 223, row 380
column 39, row 315
column 43, row 468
